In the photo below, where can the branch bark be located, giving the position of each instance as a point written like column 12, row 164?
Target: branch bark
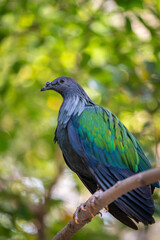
column 103, row 199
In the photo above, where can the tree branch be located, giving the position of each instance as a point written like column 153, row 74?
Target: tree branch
column 103, row 199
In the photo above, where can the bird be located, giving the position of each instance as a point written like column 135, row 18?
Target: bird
column 98, row 147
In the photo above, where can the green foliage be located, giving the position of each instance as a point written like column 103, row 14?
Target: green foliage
column 112, row 49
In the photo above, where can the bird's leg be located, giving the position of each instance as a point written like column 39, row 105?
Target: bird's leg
column 82, row 207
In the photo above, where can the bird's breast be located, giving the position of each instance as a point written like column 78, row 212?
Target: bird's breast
column 72, row 159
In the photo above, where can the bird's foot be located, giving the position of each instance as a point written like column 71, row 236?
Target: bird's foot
column 91, row 202
column 82, row 207
column 89, row 205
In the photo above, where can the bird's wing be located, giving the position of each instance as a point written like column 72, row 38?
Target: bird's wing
column 112, row 154
column 105, row 140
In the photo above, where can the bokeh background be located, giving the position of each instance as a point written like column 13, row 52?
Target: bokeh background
column 112, row 48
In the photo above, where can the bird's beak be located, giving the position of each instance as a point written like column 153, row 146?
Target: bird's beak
column 48, row 86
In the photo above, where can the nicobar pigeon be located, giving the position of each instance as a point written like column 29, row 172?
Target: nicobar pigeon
column 101, row 151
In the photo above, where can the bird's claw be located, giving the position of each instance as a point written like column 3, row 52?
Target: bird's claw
column 92, row 215
column 75, row 216
column 83, row 207
column 107, row 209
column 90, row 206
column 91, row 203
column 75, row 220
column 100, row 214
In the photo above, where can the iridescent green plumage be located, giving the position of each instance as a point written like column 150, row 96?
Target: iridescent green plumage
column 101, row 130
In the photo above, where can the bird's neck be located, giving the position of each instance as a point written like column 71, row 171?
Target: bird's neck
column 71, row 106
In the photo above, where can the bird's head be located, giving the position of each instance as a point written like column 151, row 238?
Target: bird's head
column 66, row 86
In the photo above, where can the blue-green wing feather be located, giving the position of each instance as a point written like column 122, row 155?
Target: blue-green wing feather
column 112, row 154
column 105, row 138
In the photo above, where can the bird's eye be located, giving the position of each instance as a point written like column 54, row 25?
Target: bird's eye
column 62, row 81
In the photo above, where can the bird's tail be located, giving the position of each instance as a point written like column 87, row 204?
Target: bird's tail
column 136, row 204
